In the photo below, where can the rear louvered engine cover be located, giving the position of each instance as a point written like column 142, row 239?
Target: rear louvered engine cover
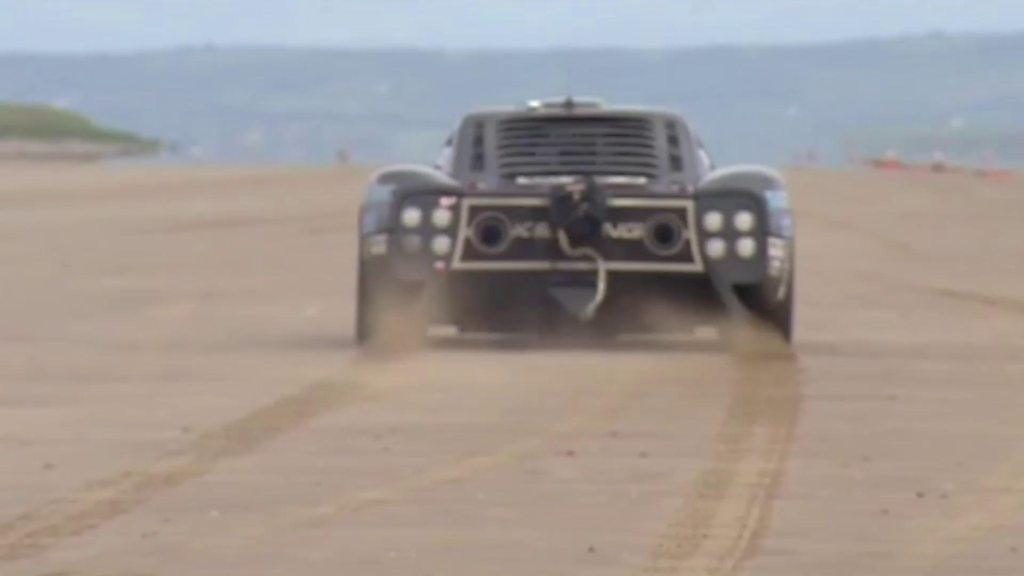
column 619, row 145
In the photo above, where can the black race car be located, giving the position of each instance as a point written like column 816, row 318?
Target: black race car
column 569, row 215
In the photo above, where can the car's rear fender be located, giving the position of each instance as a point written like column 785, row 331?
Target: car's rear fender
column 764, row 279
column 382, row 232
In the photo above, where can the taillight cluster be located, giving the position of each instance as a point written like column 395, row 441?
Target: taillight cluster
column 730, row 233
column 427, row 223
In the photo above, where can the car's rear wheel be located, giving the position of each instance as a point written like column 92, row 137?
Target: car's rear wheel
column 389, row 313
column 758, row 328
column 363, row 322
column 762, row 301
column 783, row 317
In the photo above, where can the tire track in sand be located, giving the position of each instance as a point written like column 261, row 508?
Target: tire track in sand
column 727, row 508
column 99, row 502
column 587, row 411
column 993, row 301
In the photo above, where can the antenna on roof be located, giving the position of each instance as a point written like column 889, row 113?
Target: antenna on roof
column 568, row 85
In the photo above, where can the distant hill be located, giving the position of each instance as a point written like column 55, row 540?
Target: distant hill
column 766, row 104
column 44, row 132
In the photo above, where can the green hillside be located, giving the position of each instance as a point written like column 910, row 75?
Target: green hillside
column 46, row 123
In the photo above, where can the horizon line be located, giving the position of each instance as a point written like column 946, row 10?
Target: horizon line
column 391, row 48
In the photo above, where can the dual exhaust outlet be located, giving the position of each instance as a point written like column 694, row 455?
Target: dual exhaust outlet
column 663, row 233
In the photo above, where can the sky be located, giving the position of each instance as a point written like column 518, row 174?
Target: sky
column 129, row 25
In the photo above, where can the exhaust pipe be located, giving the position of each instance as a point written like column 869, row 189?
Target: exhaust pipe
column 491, row 233
column 664, row 234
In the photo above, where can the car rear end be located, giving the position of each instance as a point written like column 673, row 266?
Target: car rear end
column 573, row 216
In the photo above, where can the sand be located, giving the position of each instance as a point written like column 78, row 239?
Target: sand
column 180, row 395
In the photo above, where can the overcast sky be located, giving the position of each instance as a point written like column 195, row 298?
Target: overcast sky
column 103, row 25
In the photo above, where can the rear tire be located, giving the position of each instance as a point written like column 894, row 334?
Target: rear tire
column 751, row 336
column 760, row 329
column 390, row 314
column 760, row 301
column 783, row 318
column 363, row 328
